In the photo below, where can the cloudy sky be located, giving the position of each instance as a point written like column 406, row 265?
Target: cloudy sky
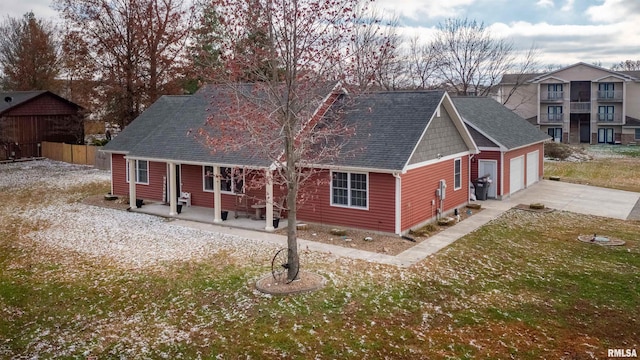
column 564, row 31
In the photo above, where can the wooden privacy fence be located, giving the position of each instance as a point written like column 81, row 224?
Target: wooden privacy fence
column 74, row 154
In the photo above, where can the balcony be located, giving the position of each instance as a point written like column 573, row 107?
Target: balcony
column 610, row 96
column 551, row 118
column 552, row 96
column 580, row 107
column 609, row 118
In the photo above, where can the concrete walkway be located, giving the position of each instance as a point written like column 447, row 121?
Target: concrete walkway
column 581, row 199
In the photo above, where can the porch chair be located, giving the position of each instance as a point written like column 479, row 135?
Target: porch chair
column 185, row 198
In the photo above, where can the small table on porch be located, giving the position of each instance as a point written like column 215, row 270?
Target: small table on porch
column 258, row 208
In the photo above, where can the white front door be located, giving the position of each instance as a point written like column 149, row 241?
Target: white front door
column 489, row 167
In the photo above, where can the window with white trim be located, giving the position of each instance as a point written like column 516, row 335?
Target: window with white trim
column 142, row 171
column 232, row 180
column 207, row 178
column 637, row 133
column 457, row 174
column 350, row 189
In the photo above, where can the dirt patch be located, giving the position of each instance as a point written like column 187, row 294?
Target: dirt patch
column 121, row 203
column 306, row 282
column 372, row 241
column 528, row 208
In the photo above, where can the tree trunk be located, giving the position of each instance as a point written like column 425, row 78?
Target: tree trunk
column 292, row 195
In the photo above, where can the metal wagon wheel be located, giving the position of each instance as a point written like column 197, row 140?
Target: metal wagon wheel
column 280, row 266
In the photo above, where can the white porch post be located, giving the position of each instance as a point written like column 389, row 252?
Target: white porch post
column 217, row 199
column 173, row 196
column 269, row 201
column 132, row 183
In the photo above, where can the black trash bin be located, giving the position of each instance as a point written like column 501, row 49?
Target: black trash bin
column 482, row 187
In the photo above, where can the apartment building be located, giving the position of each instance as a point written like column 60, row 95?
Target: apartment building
column 580, row 103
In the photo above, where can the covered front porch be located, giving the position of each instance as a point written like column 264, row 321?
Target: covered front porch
column 205, row 215
column 181, row 191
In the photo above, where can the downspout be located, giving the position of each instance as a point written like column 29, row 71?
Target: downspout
column 398, row 218
column 471, row 157
column 501, row 174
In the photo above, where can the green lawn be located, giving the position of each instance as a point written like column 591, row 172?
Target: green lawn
column 521, row 287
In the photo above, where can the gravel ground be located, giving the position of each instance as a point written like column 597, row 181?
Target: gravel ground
column 128, row 239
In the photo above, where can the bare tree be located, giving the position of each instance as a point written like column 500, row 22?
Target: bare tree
column 138, row 47
column 627, row 65
column 469, row 59
column 29, row 54
column 372, row 50
column 294, row 46
column 421, row 64
column 77, row 72
column 523, row 72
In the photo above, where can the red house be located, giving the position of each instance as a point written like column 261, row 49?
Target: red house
column 28, row 118
column 414, row 163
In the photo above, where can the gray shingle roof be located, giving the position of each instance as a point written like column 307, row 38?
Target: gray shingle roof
column 633, row 122
column 140, row 130
column 389, row 126
column 168, row 130
column 497, row 122
column 481, row 140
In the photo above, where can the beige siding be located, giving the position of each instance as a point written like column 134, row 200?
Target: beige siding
column 442, row 137
column 580, row 73
column 523, row 101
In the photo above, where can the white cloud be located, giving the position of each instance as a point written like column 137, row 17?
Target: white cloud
column 613, row 11
column 566, row 44
column 568, row 6
column 419, row 9
column 545, row 3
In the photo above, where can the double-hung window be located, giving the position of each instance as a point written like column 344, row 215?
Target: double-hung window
column 605, row 91
column 457, row 174
column 554, row 113
column 554, row 91
column 232, row 180
column 142, row 171
column 605, row 113
column 349, row 189
column 207, row 178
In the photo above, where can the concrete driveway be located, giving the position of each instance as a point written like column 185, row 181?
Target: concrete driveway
column 577, row 198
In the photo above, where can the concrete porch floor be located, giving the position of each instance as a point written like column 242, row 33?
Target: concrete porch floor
column 205, row 215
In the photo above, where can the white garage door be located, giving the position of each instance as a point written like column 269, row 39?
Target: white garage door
column 516, row 174
column 532, row 167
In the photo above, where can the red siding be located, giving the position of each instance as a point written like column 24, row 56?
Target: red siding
column 521, row 152
column 487, row 155
column 118, row 175
column 380, row 216
column 419, row 190
column 192, row 182
column 152, row 191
